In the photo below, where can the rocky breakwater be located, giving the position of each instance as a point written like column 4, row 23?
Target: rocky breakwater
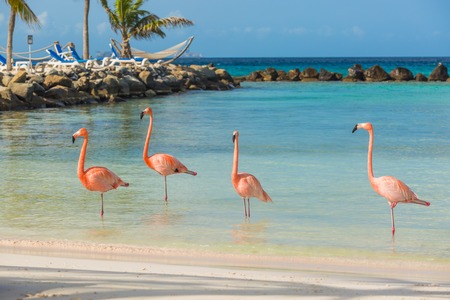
column 355, row 73
column 78, row 85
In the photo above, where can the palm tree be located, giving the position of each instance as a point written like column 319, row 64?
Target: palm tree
column 131, row 21
column 86, row 29
column 26, row 14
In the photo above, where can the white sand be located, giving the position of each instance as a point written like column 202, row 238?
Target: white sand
column 68, row 270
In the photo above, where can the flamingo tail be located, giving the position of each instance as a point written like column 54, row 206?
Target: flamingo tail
column 266, row 197
column 421, row 202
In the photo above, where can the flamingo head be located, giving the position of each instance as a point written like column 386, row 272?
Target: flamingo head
column 147, row 111
column 366, row 126
column 235, row 135
column 81, row 132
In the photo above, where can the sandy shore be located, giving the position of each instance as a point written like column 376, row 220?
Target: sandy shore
column 68, row 270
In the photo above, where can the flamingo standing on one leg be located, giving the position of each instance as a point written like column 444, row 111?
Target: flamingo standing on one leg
column 245, row 184
column 98, row 179
column 164, row 164
column 389, row 187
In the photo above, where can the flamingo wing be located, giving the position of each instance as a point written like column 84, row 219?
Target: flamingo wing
column 101, row 179
column 164, row 164
column 394, row 190
column 249, row 186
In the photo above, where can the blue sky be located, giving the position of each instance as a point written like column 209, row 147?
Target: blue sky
column 260, row 28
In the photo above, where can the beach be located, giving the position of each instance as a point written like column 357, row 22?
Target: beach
column 68, row 270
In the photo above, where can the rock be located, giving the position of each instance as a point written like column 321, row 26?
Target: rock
column 401, row 74
column 282, row 75
column 137, row 87
column 55, row 80
column 20, row 77
column 325, row 75
column 68, row 96
column 309, row 74
column 147, row 78
column 255, row 76
column 22, row 90
column 421, row 77
column 9, row 101
column 269, row 74
column 355, row 73
column 440, row 73
column 293, row 75
column 222, row 74
column 376, row 74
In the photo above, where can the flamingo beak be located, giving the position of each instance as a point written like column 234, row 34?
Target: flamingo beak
column 234, row 138
column 355, row 128
column 73, row 139
column 142, row 114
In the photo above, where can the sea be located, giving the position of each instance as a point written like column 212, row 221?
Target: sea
column 295, row 137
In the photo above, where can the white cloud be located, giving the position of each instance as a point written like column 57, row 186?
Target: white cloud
column 297, row 31
column 357, row 31
column 102, row 27
column 326, row 31
column 43, row 18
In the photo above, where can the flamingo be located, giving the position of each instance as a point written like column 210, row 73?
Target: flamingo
column 164, row 164
column 98, row 179
column 389, row 187
column 245, row 184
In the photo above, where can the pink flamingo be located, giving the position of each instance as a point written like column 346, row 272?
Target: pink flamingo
column 164, row 164
column 98, row 179
column 389, row 187
column 245, row 184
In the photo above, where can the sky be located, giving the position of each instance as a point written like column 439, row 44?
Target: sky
column 258, row 28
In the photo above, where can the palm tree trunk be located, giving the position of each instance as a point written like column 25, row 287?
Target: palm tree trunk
column 86, row 30
column 9, row 42
column 126, row 48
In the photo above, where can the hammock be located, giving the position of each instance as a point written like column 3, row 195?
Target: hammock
column 174, row 52
column 24, row 55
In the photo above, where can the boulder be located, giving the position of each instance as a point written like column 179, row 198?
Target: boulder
column 19, row 77
column 22, row 90
column 255, row 76
column 68, row 96
column 269, row 74
column 131, row 86
column 293, row 75
column 147, row 78
column 440, row 73
column 309, row 74
column 376, row 74
column 325, row 75
column 9, row 101
column 401, row 74
column 355, row 73
column 421, row 77
column 55, row 80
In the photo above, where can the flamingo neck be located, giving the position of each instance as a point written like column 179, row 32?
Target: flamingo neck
column 369, row 156
column 80, row 170
column 147, row 140
column 236, row 157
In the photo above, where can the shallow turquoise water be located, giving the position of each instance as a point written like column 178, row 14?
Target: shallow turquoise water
column 295, row 137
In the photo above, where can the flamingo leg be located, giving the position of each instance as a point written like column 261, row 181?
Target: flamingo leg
column 248, row 200
column 165, row 189
column 392, row 205
column 101, row 212
column 245, row 207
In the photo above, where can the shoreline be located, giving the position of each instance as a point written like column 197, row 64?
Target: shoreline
column 63, row 270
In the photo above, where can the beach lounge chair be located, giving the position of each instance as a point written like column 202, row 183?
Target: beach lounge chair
column 57, row 61
column 171, row 54
column 16, row 65
column 117, row 58
column 90, row 63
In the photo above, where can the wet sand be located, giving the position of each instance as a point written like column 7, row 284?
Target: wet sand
column 71, row 270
